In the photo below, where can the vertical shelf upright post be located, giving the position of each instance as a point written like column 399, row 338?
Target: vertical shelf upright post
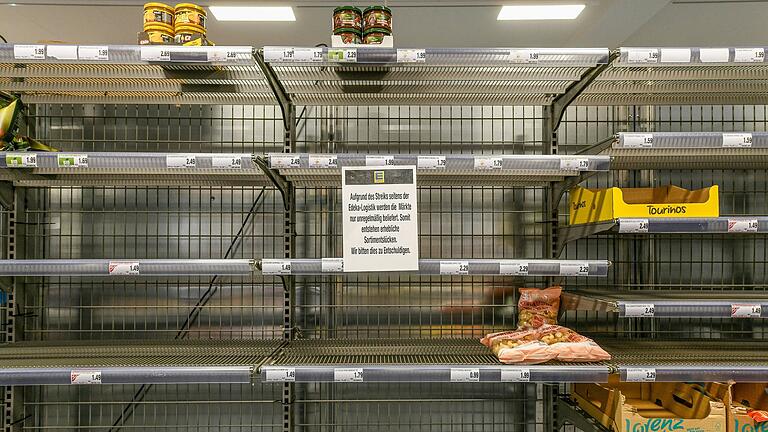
column 14, row 395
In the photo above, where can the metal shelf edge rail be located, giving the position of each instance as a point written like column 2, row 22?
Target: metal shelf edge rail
column 125, row 54
column 127, row 267
column 135, row 162
column 128, row 375
column 682, row 56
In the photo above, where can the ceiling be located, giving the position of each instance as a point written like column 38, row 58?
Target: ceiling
column 604, row 23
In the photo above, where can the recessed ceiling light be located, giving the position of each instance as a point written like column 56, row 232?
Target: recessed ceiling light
column 252, row 13
column 540, row 12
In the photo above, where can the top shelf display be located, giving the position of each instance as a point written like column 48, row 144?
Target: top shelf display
column 125, row 54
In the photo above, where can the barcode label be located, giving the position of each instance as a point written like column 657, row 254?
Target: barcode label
column 574, row 269
column 746, row 311
column 641, row 375
column 180, row 161
column 633, row 140
column 643, row 55
column 323, row 161
column 227, row 162
column 488, row 162
column 123, row 268
column 332, row 265
column 509, row 374
column 285, row 374
column 675, row 55
column 72, row 160
column 749, row 55
column 633, row 225
column 348, row 375
column 737, row 140
column 284, row 161
column 431, row 162
column 465, row 375
column 743, row 225
column 29, row 52
column 379, row 160
column 275, row 267
column 523, row 56
column 411, row 55
column 515, row 268
column 96, row 53
column 21, row 160
column 85, row 377
column 454, row 267
column 639, row 310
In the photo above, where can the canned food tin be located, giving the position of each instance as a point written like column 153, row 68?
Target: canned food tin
column 159, row 33
column 187, row 32
column 378, row 17
column 158, row 13
column 188, row 13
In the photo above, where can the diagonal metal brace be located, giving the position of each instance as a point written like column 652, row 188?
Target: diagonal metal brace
column 278, row 180
column 569, row 412
column 282, row 96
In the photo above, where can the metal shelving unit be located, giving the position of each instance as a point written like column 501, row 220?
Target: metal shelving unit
column 127, row 267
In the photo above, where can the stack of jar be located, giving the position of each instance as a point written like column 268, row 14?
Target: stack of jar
column 367, row 27
column 184, row 24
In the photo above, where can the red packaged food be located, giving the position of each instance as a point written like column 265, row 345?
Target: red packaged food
column 532, row 352
column 537, row 307
column 758, row 416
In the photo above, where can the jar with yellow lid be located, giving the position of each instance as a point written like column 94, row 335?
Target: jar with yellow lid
column 158, row 13
column 159, row 33
column 187, row 32
column 188, row 13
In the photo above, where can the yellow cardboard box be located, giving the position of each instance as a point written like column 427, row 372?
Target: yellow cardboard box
column 595, row 205
column 740, row 398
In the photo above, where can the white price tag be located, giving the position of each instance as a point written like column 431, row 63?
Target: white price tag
column 454, row 267
column 411, row 55
column 431, row 162
column 731, row 139
column 180, row 161
column 284, row 160
column 323, row 161
column 633, row 225
column 332, row 265
column 348, row 375
column 279, row 54
column 643, row 55
column 123, row 268
column 641, row 375
column 714, row 55
column 283, row 374
column 275, row 267
column 379, row 160
column 227, row 161
column 62, row 52
column 21, row 160
column 29, row 52
column 155, row 53
column 675, row 55
column 636, row 140
column 465, row 375
column 523, row 56
column 85, row 377
column 639, row 310
column 228, row 54
column 307, row 55
column 746, row 311
column 574, row 269
column 749, row 55
column 97, row 53
column 516, row 268
column 512, row 374
column 488, row 162
column 345, row 55
column 574, row 164
column 72, row 160
column 743, row 225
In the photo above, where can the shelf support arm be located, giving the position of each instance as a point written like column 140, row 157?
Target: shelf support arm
column 569, row 412
column 278, row 180
column 281, row 95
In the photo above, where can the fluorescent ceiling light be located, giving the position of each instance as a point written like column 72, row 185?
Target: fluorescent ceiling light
column 252, row 13
column 540, row 12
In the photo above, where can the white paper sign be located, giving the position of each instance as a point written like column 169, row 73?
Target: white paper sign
column 641, row 375
column 72, row 160
column 633, row 226
column 749, row 55
column 332, row 265
column 714, row 55
column 523, row 56
column 283, row 374
column 574, row 164
column 323, row 161
column 574, row 269
column 29, row 52
column 155, row 53
column 737, row 139
column 96, row 53
column 345, row 55
column 380, row 219
column 515, row 268
column 746, row 310
column 123, row 268
column 287, row 160
column 62, row 52
column 675, row 55
column 431, row 162
column 85, row 377
column 488, row 162
column 379, row 160
column 513, row 374
column 743, row 225
column 643, row 55
column 275, row 267
column 21, row 160
column 411, row 55
column 639, row 310
column 348, row 375
column 180, row 161
column 635, row 140
column 465, row 375
column 227, row 161
column 454, row 267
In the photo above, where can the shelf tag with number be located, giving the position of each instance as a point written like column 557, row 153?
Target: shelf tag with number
column 29, row 52
column 180, row 161
column 641, row 375
column 746, row 310
column 513, row 374
column 308, row 55
column 574, row 269
column 488, row 162
column 323, row 161
column 643, row 55
column 749, row 55
column 574, row 164
column 743, row 225
column 633, row 225
column 639, row 310
column 411, row 55
column 123, row 268
column 228, row 54
column 95, row 53
column 379, row 160
column 345, row 55
column 72, row 160
column 292, row 55
column 523, row 56
column 227, row 161
column 155, row 53
column 737, row 140
column 332, row 265
column 431, row 162
column 515, row 268
column 454, row 267
column 465, row 375
column 284, row 160
column 638, row 140
column 85, row 377
column 18, row 160
column 275, row 267
column 283, row 374
column 348, row 375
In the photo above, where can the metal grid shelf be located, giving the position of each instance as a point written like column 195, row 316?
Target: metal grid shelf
column 439, row 267
column 136, row 169
column 133, row 362
column 690, row 150
column 411, row 360
column 435, row 170
column 670, row 304
column 125, row 54
column 126, row 267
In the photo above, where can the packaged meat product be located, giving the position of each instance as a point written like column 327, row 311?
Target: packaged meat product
column 537, row 307
column 492, row 340
column 529, row 352
column 549, row 342
column 569, row 346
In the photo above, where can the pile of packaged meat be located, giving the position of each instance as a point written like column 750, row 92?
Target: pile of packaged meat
column 538, row 338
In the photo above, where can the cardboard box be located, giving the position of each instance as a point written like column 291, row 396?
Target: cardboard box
column 595, row 205
column 651, row 407
column 739, row 398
